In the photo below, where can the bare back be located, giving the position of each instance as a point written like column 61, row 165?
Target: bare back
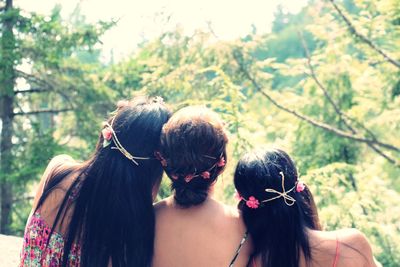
column 205, row 235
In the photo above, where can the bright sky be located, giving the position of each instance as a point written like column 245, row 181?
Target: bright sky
column 146, row 19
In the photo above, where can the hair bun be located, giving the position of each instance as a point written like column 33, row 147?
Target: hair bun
column 186, row 196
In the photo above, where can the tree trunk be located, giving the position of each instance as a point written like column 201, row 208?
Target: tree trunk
column 7, row 80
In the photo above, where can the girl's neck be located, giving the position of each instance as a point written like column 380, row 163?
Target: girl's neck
column 209, row 201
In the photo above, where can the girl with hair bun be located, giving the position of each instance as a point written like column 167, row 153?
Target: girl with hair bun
column 192, row 228
column 281, row 217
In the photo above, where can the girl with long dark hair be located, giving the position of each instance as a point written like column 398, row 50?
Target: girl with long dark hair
column 192, row 228
column 282, row 220
column 100, row 212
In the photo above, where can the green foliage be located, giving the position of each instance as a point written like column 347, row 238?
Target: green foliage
column 353, row 186
column 316, row 147
column 57, row 82
column 349, row 196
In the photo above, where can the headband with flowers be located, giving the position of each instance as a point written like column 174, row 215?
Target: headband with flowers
column 254, row 203
column 188, row 177
column 110, row 135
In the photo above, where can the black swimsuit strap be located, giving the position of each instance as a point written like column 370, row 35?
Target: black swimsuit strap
column 238, row 249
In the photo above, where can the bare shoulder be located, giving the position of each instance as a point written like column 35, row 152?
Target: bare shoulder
column 162, row 206
column 353, row 237
column 233, row 217
column 355, row 242
column 231, row 212
column 55, row 162
column 59, row 159
column 350, row 245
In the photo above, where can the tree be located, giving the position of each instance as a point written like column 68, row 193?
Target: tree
column 42, row 78
column 7, row 81
column 353, row 128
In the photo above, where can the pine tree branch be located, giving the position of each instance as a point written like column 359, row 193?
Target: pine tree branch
column 32, row 90
column 33, row 78
column 313, row 75
column 46, row 87
column 342, row 116
column 308, row 119
column 36, row 112
column 362, row 37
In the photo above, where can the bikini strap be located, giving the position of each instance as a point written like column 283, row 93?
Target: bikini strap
column 336, row 253
column 238, row 249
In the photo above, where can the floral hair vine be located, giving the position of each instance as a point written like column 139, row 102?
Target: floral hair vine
column 110, row 135
column 254, row 203
column 205, row 174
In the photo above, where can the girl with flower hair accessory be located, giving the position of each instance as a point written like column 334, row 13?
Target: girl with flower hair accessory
column 192, row 228
column 281, row 217
column 100, row 212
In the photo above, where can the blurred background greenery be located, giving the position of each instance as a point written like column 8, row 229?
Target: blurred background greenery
column 322, row 84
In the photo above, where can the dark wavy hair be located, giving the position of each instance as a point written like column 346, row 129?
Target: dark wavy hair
column 112, row 217
column 193, row 142
column 278, row 231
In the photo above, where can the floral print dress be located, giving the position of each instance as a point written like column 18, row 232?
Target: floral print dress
column 36, row 252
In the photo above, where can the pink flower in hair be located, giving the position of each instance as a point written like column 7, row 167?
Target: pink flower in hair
column 238, row 197
column 188, row 178
column 221, row 162
column 252, row 203
column 174, row 176
column 205, row 175
column 107, row 134
column 300, row 186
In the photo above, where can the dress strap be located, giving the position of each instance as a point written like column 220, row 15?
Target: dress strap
column 336, row 253
column 238, row 249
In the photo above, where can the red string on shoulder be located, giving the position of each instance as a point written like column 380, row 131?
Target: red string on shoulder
column 337, row 253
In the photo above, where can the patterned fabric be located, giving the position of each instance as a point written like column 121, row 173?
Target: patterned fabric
column 34, row 251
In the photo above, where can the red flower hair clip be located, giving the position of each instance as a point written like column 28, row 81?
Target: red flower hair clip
column 300, row 186
column 205, row 175
column 189, row 177
column 221, row 162
column 107, row 135
column 252, row 203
